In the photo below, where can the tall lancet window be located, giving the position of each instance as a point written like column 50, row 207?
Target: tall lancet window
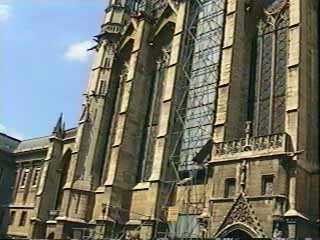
column 150, row 130
column 271, row 69
column 120, row 97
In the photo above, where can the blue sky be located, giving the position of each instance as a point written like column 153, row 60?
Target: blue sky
column 44, row 67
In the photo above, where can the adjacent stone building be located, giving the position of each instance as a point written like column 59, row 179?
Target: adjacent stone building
column 199, row 120
column 7, row 176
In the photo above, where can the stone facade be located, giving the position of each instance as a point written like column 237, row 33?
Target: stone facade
column 139, row 162
column 7, row 175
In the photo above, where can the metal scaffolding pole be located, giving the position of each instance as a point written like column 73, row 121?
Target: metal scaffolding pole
column 195, row 111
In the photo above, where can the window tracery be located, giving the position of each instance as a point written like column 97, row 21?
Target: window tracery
column 271, row 69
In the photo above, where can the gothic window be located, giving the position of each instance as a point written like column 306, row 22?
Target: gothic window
column 152, row 118
column 230, row 188
column 267, row 185
column 120, row 98
column 122, row 78
column 63, row 177
column 271, row 69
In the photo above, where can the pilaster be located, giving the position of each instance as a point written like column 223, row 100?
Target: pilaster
column 227, row 72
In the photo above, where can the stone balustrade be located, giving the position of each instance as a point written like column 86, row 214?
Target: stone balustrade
column 112, row 28
column 246, row 147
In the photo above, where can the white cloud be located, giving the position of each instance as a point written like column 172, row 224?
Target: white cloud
column 5, row 12
column 11, row 132
column 78, row 51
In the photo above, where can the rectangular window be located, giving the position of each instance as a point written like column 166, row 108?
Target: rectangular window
column 36, row 176
column 23, row 218
column 12, row 217
column 24, row 178
column 230, row 188
column 267, row 185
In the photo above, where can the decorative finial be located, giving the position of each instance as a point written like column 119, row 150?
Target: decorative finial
column 59, row 125
column 248, row 129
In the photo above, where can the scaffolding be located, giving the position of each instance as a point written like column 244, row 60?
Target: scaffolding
column 196, row 92
column 195, row 111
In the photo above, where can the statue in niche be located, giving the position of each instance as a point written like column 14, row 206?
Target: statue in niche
column 164, row 59
column 243, row 175
column 84, row 117
column 124, row 72
column 277, row 232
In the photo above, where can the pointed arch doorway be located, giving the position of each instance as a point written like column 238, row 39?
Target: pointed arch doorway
column 238, row 231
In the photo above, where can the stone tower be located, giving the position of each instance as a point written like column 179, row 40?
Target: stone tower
column 199, row 121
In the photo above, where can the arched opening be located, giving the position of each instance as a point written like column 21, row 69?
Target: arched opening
column 118, row 88
column 160, row 55
column 269, row 69
column 239, row 231
column 63, row 177
column 238, row 234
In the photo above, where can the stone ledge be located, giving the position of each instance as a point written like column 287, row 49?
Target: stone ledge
column 142, row 186
column 236, row 158
column 68, row 219
column 252, row 198
column 21, row 206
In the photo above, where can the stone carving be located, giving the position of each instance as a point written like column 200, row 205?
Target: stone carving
column 243, row 175
column 164, row 59
column 241, row 212
column 277, row 232
column 124, row 71
column 270, row 142
column 84, row 117
column 274, row 13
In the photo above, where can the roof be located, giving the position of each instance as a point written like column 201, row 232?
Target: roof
column 32, row 144
column 71, row 132
column 8, row 143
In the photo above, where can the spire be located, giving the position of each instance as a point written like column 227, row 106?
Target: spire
column 60, row 125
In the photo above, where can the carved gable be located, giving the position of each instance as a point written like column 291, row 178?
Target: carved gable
column 242, row 212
